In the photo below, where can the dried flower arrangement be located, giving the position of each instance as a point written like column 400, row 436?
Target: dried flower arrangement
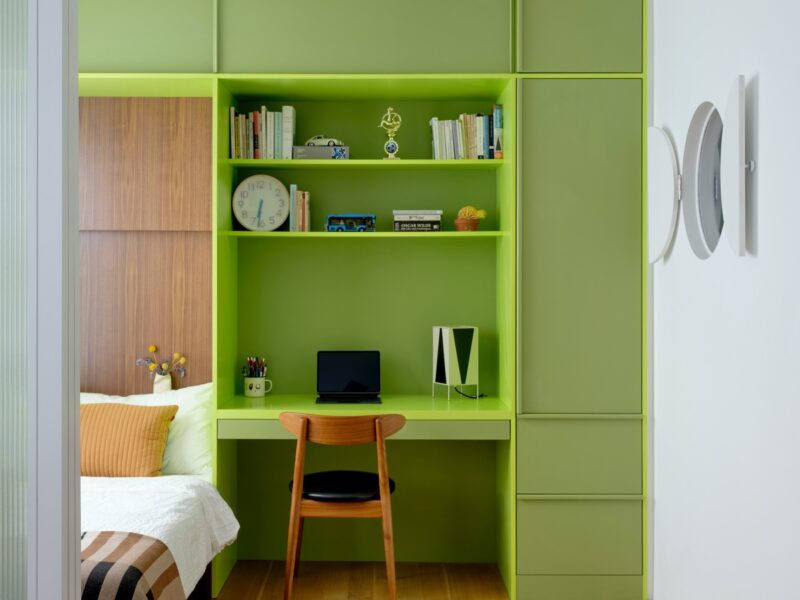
column 163, row 367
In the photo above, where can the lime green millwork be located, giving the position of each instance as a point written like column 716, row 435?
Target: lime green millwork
column 145, row 36
column 565, row 536
column 579, row 457
column 554, row 455
column 317, row 36
column 579, row 36
column 581, row 211
column 580, row 587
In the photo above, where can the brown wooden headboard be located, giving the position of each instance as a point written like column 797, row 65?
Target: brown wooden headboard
column 145, row 256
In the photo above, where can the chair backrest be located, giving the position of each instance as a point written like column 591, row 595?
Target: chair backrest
column 341, row 431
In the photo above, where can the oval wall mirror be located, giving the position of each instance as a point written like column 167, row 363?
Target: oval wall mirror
column 702, row 200
column 663, row 193
column 732, row 168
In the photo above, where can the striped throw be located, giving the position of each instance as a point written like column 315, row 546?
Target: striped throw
column 127, row 566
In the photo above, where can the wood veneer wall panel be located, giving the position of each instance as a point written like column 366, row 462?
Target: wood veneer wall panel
column 145, row 164
column 139, row 288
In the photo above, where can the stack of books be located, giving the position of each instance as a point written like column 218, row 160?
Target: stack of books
column 471, row 136
column 299, row 213
column 262, row 134
column 417, row 220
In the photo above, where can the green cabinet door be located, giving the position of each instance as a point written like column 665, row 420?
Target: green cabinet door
column 581, row 244
column 580, row 36
column 364, row 36
column 145, row 36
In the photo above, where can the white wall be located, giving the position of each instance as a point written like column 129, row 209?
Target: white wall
column 726, row 348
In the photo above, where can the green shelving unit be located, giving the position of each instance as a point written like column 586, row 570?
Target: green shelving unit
column 556, row 454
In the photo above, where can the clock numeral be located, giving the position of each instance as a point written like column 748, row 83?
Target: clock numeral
column 244, row 214
column 272, row 220
column 245, row 193
column 261, row 224
column 282, row 202
column 240, row 203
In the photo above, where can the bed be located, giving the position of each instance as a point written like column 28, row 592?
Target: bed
column 153, row 537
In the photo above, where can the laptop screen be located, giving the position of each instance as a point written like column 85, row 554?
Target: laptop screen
column 348, row 372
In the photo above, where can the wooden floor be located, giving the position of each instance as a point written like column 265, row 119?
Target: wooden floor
column 263, row 580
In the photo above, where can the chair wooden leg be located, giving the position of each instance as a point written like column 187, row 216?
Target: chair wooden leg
column 388, row 546
column 291, row 553
column 299, row 546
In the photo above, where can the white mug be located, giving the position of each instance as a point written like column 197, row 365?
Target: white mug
column 256, row 387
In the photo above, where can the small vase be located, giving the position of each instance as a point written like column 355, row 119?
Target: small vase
column 467, row 224
column 162, row 383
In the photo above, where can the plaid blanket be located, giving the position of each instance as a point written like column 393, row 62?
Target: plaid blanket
column 127, row 566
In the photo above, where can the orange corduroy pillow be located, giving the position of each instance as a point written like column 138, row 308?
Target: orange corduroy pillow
column 122, row 440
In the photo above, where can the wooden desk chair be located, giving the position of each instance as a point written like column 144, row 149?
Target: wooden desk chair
column 346, row 494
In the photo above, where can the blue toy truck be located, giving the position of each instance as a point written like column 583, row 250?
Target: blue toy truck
column 350, row 222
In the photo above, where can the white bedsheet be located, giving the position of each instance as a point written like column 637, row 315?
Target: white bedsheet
column 183, row 511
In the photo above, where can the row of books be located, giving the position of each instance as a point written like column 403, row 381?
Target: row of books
column 417, row 220
column 299, row 211
column 471, row 136
column 262, row 134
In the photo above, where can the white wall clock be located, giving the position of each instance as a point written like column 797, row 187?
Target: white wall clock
column 261, row 203
column 733, row 167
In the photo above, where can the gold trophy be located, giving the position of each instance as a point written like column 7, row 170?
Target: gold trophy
column 391, row 123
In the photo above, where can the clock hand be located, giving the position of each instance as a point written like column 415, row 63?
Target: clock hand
column 260, row 206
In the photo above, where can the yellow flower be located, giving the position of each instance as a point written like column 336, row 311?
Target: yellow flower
column 182, row 360
column 176, row 356
column 152, row 366
column 152, row 348
column 164, row 366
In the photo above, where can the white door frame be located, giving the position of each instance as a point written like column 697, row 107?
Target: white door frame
column 53, row 352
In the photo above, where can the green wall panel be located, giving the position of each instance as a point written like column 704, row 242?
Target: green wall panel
column 579, row 537
column 297, row 296
column 581, row 246
column 145, row 36
column 576, row 36
column 364, row 36
column 579, row 587
column 444, row 507
column 579, row 457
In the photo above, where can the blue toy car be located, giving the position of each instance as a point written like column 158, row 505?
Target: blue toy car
column 350, row 222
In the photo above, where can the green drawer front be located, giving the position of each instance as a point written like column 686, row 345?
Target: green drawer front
column 145, row 36
column 579, row 537
column 579, row 457
column 581, row 244
column 364, row 36
column 580, row 36
column 587, row 587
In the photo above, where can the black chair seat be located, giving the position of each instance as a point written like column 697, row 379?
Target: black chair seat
column 342, row 486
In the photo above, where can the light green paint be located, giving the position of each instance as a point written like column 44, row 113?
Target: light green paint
column 579, row 537
column 579, row 587
column 581, row 277
column 441, row 429
column 444, row 512
column 146, row 84
column 579, row 457
column 566, row 36
column 145, row 36
column 363, row 235
column 317, row 36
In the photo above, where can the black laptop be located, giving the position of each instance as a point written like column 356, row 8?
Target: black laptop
column 348, row 376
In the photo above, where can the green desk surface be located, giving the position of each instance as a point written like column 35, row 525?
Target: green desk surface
column 423, row 407
column 429, row 418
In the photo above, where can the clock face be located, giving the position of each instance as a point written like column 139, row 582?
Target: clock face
column 261, row 203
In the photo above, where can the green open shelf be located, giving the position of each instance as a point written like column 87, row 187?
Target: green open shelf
column 462, row 235
column 380, row 164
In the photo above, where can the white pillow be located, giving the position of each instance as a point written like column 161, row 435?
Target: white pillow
column 188, row 450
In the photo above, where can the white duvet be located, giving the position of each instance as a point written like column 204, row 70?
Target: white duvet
column 183, row 511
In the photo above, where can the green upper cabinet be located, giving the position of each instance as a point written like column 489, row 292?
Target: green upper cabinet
column 580, row 36
column 364, row 36
column 581, row 269
column 145, row 36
